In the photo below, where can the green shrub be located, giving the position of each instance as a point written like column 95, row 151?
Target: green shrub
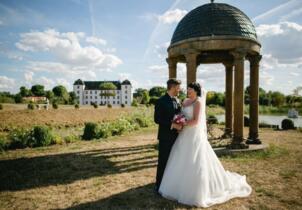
column 109, row 105
column 18, row 138
column 3, row 143
column 287, row 124
column 70, row 138
column 95, row 105
column 104, row 130
column 91, row 131
column 31, row 106
column 121, row 126
column 37, row 106
column 40, row 136
column 55, row 105
column 246, row 121
column 212, row 119
column 123, row 105
column 76, row 106
column 1, row 106
column 134, row 103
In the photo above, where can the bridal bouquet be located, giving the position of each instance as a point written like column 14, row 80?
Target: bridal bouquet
column 179, row 119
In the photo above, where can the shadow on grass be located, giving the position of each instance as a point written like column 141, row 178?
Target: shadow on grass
column 137, row 198
column 33, row 172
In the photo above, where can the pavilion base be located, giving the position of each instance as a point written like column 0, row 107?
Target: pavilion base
column 253, row 141
column 237, row 146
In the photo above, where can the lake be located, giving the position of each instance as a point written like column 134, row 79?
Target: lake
column 270, row 119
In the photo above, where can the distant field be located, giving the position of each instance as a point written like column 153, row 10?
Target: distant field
column 17, row 115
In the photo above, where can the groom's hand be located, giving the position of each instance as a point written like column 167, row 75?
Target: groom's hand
column 176, row 126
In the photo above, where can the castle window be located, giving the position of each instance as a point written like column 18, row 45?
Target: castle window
column 125, row 97
column 95, row 97
column 78, row 92
column 90, row 97
column 90, row 92
column 113, row 102
column 78, row 87
column 126, row 91
column 86, row 97
column 95, row 92
column 86, row 102
column 86, row 91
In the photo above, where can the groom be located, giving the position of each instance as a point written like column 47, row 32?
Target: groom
column 165, row 109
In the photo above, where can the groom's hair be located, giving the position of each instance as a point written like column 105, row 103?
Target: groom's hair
column 172, row 82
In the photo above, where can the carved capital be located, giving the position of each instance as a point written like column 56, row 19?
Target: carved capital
column 255, row 60
column 238, row 54
column 171, row 61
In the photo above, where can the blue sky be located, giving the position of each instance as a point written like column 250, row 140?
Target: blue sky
column 53, row 42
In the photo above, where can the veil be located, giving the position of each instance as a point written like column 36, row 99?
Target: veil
column 203, row 117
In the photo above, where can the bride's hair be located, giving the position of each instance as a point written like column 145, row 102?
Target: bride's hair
column 196, row 86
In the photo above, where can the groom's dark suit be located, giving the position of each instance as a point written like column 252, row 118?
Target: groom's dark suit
column 165, row 109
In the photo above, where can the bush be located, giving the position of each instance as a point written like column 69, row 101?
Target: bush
column 18, row 138
column 287, row 124
column 70, row 138
column 1, row 106
column 109, row 105
column 95, row 105
column 134, row 103
column 123, row 105
column 31, row 106
column 91, row 131
column 3, row 143
column 40, row 136
column 104, row 130
column 212, row 119
column 246, row 121
column 55, row 105
column 121, row 126
column 76, row 106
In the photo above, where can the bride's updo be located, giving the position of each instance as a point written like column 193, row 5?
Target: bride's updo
column 196, row 86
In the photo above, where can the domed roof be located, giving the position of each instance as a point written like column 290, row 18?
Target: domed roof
column 214, row 19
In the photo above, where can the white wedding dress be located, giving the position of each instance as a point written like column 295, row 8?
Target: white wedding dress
column 194, row 175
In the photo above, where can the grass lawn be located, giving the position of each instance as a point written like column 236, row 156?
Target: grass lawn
column 119, row 172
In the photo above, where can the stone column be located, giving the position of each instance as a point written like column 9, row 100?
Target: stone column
column 172, row 63
column 237, row 142
column 191, row 62
column 254, row 100
column 229, row 89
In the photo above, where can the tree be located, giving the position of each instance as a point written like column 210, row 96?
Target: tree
column 24, row 92
column 157, row 91
column 145, row 98
column 138, row 93
column 18, row 98
column 278, row 98
column 49, row 95
column 107, row 89
column 73, row 99
column 38, row 90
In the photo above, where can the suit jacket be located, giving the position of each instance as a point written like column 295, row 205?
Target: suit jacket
column 165, row 109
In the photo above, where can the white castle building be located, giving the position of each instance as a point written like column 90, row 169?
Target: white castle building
column 89, row 92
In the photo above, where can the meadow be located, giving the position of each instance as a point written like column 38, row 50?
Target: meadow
column 119, row 172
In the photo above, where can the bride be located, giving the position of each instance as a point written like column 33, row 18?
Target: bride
column 194, row 175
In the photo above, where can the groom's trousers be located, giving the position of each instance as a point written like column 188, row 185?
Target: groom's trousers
column 164, row 149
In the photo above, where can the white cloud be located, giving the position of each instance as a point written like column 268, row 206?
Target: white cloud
column 6, row 83
column 95, row 40
column 66, row 48
column 172, row 16
column 28, row 75
column 161, row 50
column 283, row 41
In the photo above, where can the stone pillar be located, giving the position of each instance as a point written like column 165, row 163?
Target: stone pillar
column 172, row 63
column 229, row 89
column 237, row 142
column 254, row 100
column 191, row 62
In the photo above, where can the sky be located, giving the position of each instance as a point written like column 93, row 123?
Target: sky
column 55, row 42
